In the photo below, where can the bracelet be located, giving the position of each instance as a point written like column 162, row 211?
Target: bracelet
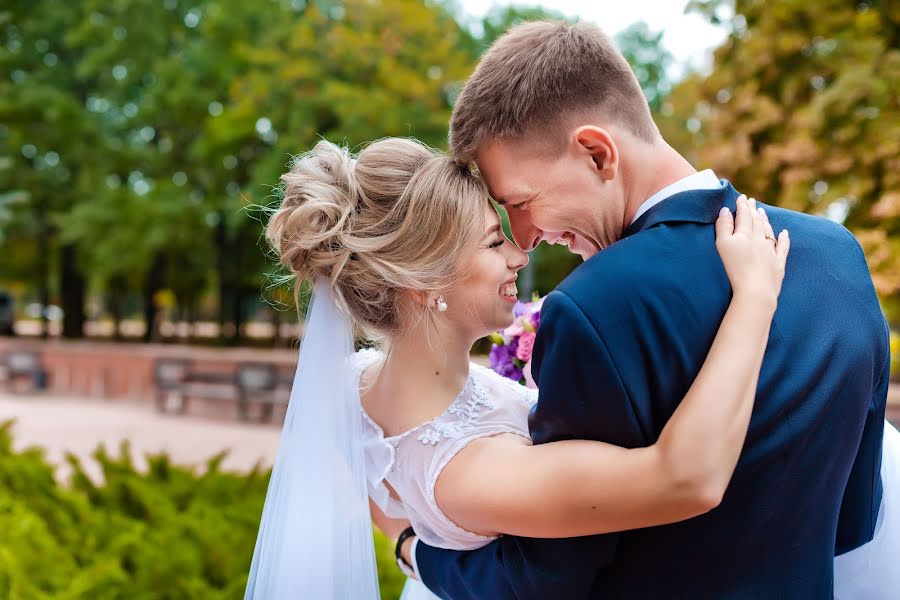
column 401, row 562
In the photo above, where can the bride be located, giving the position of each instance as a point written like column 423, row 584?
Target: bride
column 406, row 250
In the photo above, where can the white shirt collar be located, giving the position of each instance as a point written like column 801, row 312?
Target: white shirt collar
column 704, row 180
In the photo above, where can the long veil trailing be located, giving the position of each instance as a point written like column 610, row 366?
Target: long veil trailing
column 315, row 536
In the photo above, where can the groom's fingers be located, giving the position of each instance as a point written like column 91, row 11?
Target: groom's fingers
column 724, row 224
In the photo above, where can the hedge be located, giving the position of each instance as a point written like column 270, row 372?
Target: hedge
column 169, row 533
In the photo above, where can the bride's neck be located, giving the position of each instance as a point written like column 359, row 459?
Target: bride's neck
column 419, row 379
column 441, row 358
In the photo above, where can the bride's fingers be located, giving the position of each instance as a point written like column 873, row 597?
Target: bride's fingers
column 743, row 221
column 767, row 227
column 783, row 247
column 724, row 224
column 758, row 228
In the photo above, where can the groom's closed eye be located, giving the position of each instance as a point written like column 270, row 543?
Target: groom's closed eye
column 522, row 204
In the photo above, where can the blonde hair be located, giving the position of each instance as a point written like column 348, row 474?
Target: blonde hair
column 398, row 217
column 536, row 77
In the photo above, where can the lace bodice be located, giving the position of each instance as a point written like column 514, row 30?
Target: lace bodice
column 412, row 461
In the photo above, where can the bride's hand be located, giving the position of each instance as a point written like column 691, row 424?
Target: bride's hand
column 754, row 260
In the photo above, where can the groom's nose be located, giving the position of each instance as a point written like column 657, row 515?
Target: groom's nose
column 526, row 235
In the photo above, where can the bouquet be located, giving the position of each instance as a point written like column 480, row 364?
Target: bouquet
column 511, row 348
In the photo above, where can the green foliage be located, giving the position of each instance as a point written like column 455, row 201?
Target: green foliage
column 166, row 533
column 144, row 134
column 644, row 51
column 801, row 110
column 500, row 18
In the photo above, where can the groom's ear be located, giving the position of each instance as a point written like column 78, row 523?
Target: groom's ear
column 596, row 143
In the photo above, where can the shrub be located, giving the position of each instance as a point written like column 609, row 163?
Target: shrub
column 169, row 533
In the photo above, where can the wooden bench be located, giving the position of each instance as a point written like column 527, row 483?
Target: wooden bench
column 23, row 364
column 178, row 380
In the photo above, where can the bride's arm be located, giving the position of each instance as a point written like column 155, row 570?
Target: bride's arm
column 572, row 488
column 392, row 528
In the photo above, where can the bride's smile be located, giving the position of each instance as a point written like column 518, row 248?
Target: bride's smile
column 487, row 291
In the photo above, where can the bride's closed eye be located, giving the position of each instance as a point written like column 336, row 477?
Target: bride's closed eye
column 496, row 244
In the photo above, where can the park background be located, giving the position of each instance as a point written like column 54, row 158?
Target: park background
column 141, row 140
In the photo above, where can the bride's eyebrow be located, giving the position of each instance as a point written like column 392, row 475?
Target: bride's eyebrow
column 492, row 230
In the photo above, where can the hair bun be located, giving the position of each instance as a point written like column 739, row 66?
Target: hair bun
column 319, row 198
column 404, row 213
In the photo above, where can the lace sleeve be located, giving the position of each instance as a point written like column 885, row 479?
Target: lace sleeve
column 505, row 386
column 507, row 412
column 447, row 452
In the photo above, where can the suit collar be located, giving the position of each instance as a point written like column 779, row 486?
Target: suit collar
column 692, row 206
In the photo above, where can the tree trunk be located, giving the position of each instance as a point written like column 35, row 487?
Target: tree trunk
column 237, row 314
column 221, row 243
column 152, row 284
column 72, row 290
column 116, row 297
column 43, row 271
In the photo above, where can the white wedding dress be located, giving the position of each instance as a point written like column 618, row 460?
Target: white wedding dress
column 411, row 462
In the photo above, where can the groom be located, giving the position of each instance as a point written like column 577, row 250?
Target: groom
column 557, row 124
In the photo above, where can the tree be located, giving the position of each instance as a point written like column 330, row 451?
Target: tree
column 801, row 110
column 500, row 18
column 48, row 141
column 649, row 59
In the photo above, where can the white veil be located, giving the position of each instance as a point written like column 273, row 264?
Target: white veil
column 315, row 536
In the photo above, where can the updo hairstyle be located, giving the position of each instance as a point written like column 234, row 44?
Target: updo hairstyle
column 400, row 216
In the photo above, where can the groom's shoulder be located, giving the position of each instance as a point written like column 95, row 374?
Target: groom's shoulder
column 814, row 231
column 606, row 283
column 629, row 263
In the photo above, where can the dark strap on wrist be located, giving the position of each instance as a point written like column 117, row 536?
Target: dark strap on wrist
column 405, row 535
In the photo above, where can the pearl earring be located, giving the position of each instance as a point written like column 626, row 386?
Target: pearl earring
column 441, row 305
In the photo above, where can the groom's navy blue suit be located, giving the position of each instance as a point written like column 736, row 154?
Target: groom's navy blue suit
column 621, row 341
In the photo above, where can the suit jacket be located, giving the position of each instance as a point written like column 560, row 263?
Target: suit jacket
column 620, row 342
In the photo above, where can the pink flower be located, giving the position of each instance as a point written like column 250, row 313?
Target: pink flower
column 526, row 345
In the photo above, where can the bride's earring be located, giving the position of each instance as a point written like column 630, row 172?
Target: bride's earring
column 440, row 304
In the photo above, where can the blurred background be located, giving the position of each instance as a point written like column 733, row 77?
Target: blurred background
column 141, row 140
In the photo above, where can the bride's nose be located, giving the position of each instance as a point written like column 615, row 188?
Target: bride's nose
column 516, row 259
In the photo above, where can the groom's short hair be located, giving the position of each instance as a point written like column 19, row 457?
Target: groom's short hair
column 536, row 77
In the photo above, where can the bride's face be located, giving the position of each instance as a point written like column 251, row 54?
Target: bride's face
column 484, row 301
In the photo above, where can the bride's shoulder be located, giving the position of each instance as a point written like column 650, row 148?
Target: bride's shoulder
column 496, row 384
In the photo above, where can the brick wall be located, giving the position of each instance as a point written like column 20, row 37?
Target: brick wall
column 124, row 370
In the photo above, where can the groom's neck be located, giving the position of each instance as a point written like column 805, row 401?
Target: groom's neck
column 652, row 167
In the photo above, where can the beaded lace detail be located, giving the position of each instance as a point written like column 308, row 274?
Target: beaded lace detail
column 403, row 470
column 467, row 415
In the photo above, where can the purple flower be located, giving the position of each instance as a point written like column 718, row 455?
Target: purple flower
column 503, row 360
column 520, row 309
column 500, row 356
column 514, row 373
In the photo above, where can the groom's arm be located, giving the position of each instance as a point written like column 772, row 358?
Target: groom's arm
column 581, row 397
column 862, row 495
